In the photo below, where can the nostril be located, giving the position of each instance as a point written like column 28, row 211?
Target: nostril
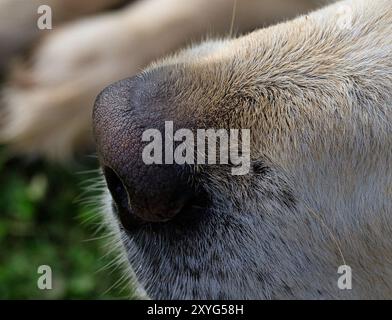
column 116, row 188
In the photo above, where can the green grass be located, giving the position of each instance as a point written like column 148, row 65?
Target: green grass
column 41, row 224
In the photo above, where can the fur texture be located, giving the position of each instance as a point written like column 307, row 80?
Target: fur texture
column 316, row 93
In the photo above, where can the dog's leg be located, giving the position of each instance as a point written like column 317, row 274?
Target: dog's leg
column 48, row 105
column 18, row 21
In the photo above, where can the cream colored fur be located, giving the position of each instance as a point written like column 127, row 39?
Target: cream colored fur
column 316, row 93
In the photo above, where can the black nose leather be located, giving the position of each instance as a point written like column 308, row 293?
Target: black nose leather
column 150, row 193
column 159, row 197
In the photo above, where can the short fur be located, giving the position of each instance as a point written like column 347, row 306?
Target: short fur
column 316, row 93
column 317, row 97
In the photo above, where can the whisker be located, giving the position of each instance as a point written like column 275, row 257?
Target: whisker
column 334, row 239
column 233, row 18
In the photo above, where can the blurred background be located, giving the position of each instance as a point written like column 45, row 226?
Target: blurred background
column 44, row 215
column 44, row 222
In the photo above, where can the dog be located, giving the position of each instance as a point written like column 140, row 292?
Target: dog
column 314, row 93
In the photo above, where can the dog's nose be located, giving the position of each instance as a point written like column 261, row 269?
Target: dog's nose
column 148, row 195
column 147, row 192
